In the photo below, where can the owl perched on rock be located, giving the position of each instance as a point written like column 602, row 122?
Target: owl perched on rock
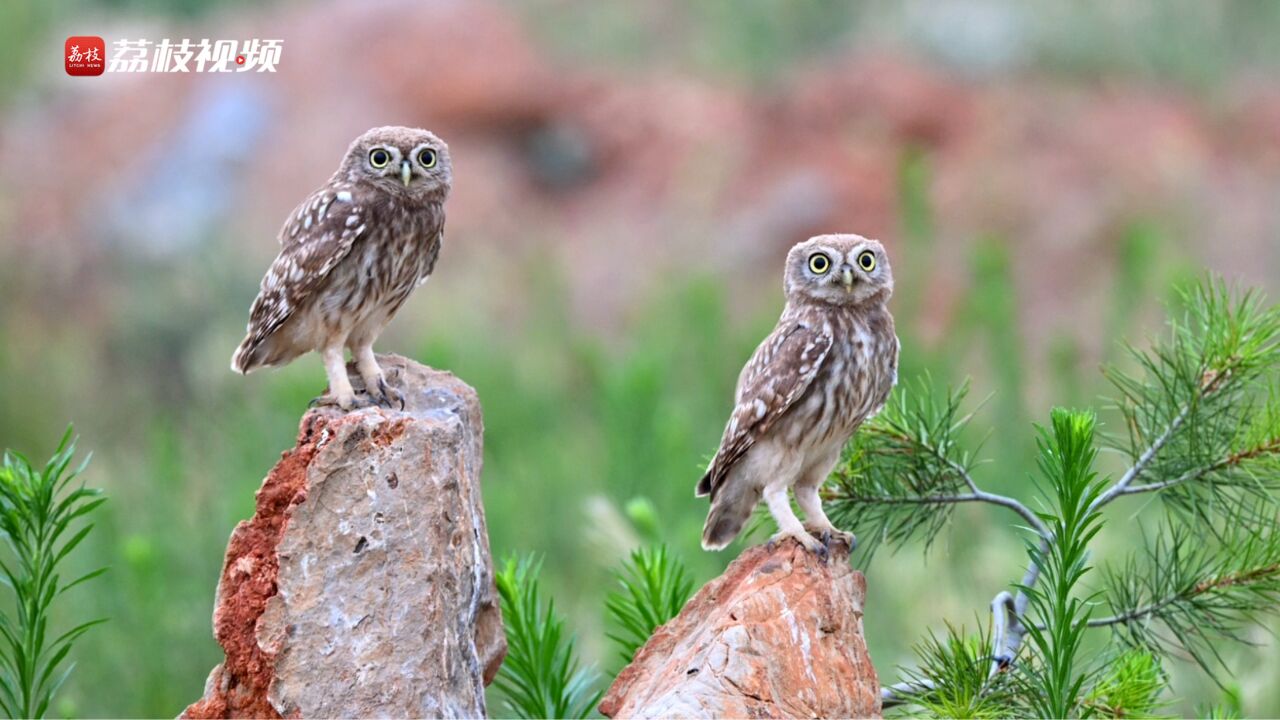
column 350, row 255
column 827, row 366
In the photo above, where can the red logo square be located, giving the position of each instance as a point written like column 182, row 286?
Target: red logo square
column 85, row 55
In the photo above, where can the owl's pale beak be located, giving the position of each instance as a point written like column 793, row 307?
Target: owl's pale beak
column 846, row 277
column 406, row 172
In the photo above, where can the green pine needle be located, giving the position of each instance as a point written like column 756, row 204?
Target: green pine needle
column 1060, row 616
column 1130, row 689
column 38, row 512
column 898, row 474
column 1186, row 594
column 541, row 676
column 653, row 586
column 952, row 679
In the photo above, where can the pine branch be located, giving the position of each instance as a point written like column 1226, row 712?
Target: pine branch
column 1066, row 460
column 653, row 586
column 1144, row 460
column 541, row 676
column 1184, row 593
column 1130, row 689
column 1205, row 379
column 1202, row 416
column 1198, row 389
column 949, row 680
column 1270, row 448
column 907, row 468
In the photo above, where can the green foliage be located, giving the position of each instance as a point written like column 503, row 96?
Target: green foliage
column 993, row 308
column 1200, row 415
column 951, row 679
column 1059, row 616
column 643, row 517
column 541, row 676
column 1186, row 594
column 1129, row 689
column 1205, row 405
column 1203, row 430
column 653, row 586
column 898, row 476
column 1229, row 709
column 38, row 514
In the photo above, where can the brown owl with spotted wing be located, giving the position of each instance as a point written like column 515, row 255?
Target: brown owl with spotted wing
column 350, row 255
column 827, row 366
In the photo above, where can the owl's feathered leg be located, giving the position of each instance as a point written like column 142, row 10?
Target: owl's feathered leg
column 815, row 518
column 335, row 367
column 375, row 382
column 775, row 496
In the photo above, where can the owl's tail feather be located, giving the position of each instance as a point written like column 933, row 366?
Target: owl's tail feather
column 269, row 351
column 245, row 358
column 257, row 352
column 704, row 486
column 730, row 510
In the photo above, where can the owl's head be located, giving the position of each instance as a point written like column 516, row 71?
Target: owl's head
column 839, row 270
column 406, row 162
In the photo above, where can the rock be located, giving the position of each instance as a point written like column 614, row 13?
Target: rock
column 779, row 634
column 363, row 584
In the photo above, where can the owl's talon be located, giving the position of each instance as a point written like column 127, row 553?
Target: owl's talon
column 809, row 542
column 330, row 400
column 389, row 394
column 829, row 534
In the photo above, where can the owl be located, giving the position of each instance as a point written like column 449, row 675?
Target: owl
column 350, row 255
column 827, row 366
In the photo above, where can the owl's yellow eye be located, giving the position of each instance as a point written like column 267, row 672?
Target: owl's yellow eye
column 867, row 260
column 427, row 158
column 379, row 158
column 819, row 263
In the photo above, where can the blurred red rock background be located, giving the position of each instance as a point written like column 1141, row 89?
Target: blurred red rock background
column 625, row 173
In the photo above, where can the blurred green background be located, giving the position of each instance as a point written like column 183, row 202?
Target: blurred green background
column 629, row 178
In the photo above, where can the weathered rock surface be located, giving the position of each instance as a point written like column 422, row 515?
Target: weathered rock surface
column 779, row 634
column 363, row 584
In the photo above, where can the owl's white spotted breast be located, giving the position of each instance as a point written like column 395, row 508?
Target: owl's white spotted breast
column 348, row 258
column 853, row 383
column 821, row 372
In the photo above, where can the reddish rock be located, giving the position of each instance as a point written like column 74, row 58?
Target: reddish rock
column 779, row 634
column 363, row 584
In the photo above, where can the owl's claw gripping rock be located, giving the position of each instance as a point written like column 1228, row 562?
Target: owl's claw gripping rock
column 331, row 400
column 389, row 395
column 324, row 401
column 809, row 542
column 829, row 534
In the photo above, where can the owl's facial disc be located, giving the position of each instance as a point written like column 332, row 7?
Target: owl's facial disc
column 409, row 165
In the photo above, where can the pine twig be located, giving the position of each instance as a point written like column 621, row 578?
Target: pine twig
column 1140, row 465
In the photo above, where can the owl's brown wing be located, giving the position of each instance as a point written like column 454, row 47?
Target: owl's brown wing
column 779, row 372
column 315, row 238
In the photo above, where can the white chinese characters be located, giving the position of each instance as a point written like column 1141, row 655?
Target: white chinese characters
column 186, row 55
